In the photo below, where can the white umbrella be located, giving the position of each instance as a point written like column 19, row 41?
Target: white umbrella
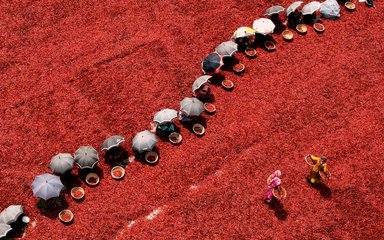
column 165, row 115
column 4, row 229
column 11, row 214
column 199, row 82
column 310, row 8
column 273, row 10
column 111, row 142
column 263, row 26
column 144, row 141
column 330, row 9
column 47, row 186
column 86, row 157
column 191, row 106
column 293, row 7
column 226, row 49
column 61, row 163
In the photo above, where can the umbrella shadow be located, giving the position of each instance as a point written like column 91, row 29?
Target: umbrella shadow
column 261, row 39
column 323, row 189
column 311, row 19
column 140, row 157
column 18, row 227
column 84, row 172
column 229, row 62
column 206, row 98
column 342, row 2
column 217, row 78
column 279, row 26
column 53, row 206
column 278, row 207
column 70, row 180
column 117, row 156
column 189, row 126
column 164, row 136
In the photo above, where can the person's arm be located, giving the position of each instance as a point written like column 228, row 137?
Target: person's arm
column 315, row 159
column 324, row 169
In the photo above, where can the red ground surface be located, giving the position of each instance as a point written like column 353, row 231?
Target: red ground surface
column 76, row 72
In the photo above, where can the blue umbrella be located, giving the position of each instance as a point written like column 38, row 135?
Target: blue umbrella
column 212, row 63
column 330, row 9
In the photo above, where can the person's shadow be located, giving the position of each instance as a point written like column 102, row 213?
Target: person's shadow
column 53, row 206
column 18, row 228
column 323, row 189
column 164, row 135
column 189, row 125
column 140, row 157
column 278, row 207
column 70, row 180
column 117, row 156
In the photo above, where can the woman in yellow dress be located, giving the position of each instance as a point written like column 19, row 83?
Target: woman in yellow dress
column 319, row 165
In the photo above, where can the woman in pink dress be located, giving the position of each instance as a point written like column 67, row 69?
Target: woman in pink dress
column 273, row 181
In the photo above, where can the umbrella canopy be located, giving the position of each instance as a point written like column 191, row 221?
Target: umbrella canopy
column 47, row 186
column 86, row 157
column 61, row 163
column 263, row 26
column 199, row 82
column 111, row 142
column 243, row 32
column 191, row 106
column 144, row 141
column 293, row 7
column 11, row 214
column 165, row 115
column 4, row 229
column 330, row 9
column 226, row 49
column 273, row 10
column 211, row 63
column 310, row 8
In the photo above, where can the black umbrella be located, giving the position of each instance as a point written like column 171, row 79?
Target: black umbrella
column 212, row 63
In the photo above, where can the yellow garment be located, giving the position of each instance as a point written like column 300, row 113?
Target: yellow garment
column 314, row 175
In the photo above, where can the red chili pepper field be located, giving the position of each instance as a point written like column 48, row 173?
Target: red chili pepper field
column 76, row 72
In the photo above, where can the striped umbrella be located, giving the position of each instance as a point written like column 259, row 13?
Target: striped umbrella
column 293, row 7
column 144, row 141
column 191, row 106
column 47, row 186
column 199, row 82
column 226, row 49
column 86, row 157
column 111, row 142
column 4, row 229
column 11, row 214
column 61, row 163
column 165, row 115
column 310, row 8
column 273, row 10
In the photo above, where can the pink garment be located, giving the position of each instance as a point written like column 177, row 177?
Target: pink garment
column 273, row 181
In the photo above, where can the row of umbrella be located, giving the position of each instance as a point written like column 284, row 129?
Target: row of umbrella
column 329, row 9
column 307, row 9
column 47, row 186
column 264, row 26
